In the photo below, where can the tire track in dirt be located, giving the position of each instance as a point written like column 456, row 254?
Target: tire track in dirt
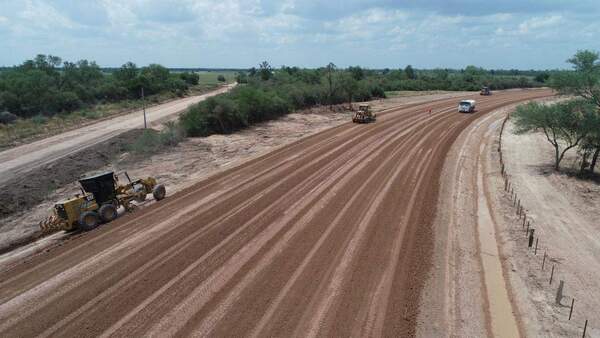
column 259, row 246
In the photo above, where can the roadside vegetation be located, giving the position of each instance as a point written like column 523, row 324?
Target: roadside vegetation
column 267, row 93
column 152, row 141
column 45, row 95
column 574, row 124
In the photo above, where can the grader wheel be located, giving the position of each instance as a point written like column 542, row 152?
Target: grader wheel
column 108, row 213
column 159, row 192
column 88, row 220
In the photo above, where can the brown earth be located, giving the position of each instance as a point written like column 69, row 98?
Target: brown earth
column 328, row 236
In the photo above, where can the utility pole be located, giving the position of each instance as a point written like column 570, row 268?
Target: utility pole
column 144, row 108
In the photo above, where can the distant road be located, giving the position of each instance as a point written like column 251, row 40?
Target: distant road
column 21, row 159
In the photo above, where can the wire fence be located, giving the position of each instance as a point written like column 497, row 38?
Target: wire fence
column 548, row 267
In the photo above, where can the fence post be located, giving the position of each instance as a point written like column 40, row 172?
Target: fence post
column 571, row 311
column 551, row 274
column 544, row 260
column 531, row 232
column 584, row 328
column 559, row 292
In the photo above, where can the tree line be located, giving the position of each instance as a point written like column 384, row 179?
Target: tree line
column 46, row 85
column 267, row 93
column 574, row 124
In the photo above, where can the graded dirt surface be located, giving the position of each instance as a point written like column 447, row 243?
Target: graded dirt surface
column 466, row 294
column 328, row 236
column 21, row 159
column 28, row 197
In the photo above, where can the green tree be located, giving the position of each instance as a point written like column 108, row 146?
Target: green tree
column 265, row 71
column 565, row 125
column 349, row 86
column 410, row 72
column 542, row 77
column 584, row 81
column 357, row 72
column 330, row 76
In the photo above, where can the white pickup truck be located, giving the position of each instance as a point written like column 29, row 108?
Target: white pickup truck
column 466, row 106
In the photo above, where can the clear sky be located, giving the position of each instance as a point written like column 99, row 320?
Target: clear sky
column 522, row 34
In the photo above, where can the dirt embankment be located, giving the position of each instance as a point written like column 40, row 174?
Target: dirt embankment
column 35, row 186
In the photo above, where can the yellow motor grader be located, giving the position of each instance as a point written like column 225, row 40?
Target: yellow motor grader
column 100, row 198
column 364, row 114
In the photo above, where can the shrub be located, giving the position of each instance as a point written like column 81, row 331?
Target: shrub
column 39, row 119
column 152, row 141
column 221, row 78
column 7, row 118
column 67, row 101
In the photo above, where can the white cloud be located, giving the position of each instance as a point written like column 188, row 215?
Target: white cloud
column 304, row 32
column 42, row 15
column 537, row 23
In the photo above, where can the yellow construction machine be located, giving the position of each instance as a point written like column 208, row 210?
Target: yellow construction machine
column 363, row 114
column 100, row 198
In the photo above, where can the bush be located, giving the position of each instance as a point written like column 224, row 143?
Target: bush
column 39, row 119
column 7, row 118
column 221, row 78
column 152, row 141
column 67, row 101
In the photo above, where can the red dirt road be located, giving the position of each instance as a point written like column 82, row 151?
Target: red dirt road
column 328, row 236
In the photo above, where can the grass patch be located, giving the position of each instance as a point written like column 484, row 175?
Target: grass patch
column 211, row 78
column 152, row 141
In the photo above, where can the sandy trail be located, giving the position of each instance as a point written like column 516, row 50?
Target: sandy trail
column 328, row 236
column 17, row 160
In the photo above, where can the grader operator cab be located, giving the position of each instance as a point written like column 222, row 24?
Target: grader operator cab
column 364, row 114
column 101, row 197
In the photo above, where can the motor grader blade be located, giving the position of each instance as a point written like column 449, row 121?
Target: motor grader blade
column 52, row 223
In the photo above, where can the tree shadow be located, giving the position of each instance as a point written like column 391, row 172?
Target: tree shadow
column 548, row 169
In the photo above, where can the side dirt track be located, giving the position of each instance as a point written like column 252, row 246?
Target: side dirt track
column 328, row 236
column 21, row 159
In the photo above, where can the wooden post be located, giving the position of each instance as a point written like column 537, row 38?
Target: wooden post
column 571, row 311
column 584, row 328
column 552, row 274
column 144, row 108
column 544, row 261
column 531, row 232
column 536, row 245
column 559, row 292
